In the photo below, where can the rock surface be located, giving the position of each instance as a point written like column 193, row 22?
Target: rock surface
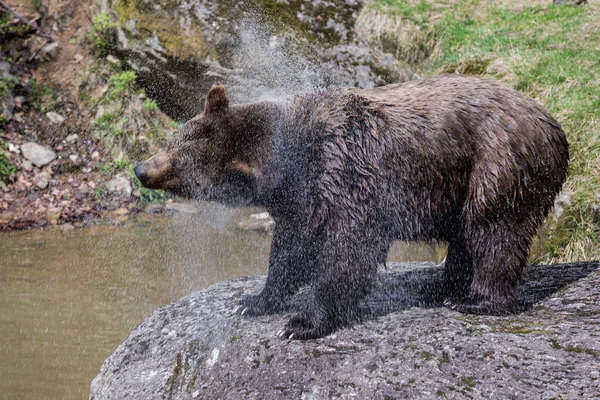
column 261, row 222
column 259, row 49
column 38, row 155
column 408, row 346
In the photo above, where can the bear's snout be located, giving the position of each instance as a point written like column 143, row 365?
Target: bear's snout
column 140, row 172
column 154, row 172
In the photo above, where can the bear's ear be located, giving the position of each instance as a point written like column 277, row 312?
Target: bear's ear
column 216, row 100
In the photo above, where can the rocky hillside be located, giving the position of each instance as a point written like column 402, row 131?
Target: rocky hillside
column 89, row 89
column 100, row 85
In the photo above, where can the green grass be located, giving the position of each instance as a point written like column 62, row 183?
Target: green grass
column 551, row 53
column 100, row 35
column 6, row 167
column 120, row 82
column 416, row 12
column 109, row 125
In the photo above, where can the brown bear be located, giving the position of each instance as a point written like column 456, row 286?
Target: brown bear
column 344, row 172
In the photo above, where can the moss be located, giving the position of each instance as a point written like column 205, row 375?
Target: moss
column 409, row 382
column 177, row 42
column 519, row 329
column 425, row 355
column 174, row 374
column 468, row 381
column 268, row 359
column 371, row 367
column 581, row 350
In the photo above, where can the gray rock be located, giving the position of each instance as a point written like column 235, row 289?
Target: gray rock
column 20, row 102
column 71, row 138
column 7, row 106
column 261, row 222
column 246, row 48
column 4, row 67
column 38, row 155
column 55, row 117
column 120, row 184
column 42, row 180
column 154, row 208
column 113, row 60
column 406, row 347
column 184, row 208
column 27, row 166
column 48, row 52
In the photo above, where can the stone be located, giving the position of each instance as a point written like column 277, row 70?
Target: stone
column 407, row 345
column 122, row 211
column 179, row 51
column 183, row 208
column 48, row 52
column 27, row 166
column 154, row 208
column 72, row 138
column 7, row 106
column 95, row 156
column 120, row 184
column 42, row 180
column 38, row 155
column 4, row 67
column 113, row 60
column 261, row 222
column 67, row 227
column 20, row 102
column 55, row 118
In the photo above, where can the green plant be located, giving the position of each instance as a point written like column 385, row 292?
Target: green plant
column 123, row 164
column 42, row 96
column 101, row 34
column 149, row 195
column 6, row 167
column 99, row 193
column 150, row 104
column 37, row 5
column 120, row 82
column 110, row 124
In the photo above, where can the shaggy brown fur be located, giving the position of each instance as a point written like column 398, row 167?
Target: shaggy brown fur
column 343, row 173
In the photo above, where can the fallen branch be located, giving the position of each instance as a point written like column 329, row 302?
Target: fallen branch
column 24, row 20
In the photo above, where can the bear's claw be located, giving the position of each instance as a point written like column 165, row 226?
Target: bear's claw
column 257, row 305
column 480, row 306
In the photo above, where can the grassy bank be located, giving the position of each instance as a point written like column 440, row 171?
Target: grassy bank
column 552, row 54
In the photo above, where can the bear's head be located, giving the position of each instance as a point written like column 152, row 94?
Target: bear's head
column 217, row 156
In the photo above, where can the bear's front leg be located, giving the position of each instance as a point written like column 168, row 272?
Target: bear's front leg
column 347, row 265
column 291, row 265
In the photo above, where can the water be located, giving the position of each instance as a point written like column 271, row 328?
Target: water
column 68, row 299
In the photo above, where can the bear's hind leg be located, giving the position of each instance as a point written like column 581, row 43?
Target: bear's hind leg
column 499, row 253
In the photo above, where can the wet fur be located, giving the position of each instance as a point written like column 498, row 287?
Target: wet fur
column 455, row 159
